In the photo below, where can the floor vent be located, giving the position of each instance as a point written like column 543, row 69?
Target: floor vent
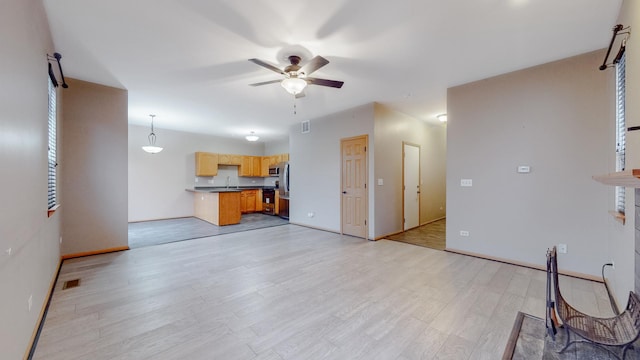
column 71, row 284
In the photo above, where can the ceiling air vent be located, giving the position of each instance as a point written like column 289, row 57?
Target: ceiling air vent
column 306, row 127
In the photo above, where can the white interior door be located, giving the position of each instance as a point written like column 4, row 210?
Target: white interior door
column 411, row 177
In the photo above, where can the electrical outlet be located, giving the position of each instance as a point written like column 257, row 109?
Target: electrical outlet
column 210, row 181
column 197, row 179
column 464, row 233
column 30, row 302
column 562, row 248
column 311, row 214
column 8, row 251
column 466, row 182
column 60, row 239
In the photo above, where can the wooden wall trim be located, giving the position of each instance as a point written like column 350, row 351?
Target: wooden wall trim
column 43, row 313
column 525, row 264
column 96, row 252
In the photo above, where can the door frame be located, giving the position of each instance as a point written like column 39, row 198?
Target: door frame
column 404, row 184
column 366, row 181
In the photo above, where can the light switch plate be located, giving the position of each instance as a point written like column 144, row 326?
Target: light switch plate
column 380, row 182
column 524, row 169
column 466, row 182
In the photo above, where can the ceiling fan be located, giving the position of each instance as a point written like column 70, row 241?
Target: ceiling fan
column 296, row 76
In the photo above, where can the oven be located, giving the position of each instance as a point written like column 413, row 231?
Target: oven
column 269, row 201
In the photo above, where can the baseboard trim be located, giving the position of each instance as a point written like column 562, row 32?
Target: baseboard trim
column 386, row 236
column 525, row 264
column 315, row 227
column 95, row 252
column 432, row 221
column 43, row 314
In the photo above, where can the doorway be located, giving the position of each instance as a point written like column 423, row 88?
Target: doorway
column 354, row 175
column 411, row 185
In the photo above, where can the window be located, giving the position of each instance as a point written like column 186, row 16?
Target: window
column 52, row 139
column 620, row 130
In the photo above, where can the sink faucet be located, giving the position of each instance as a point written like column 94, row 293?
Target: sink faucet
column 228, row 181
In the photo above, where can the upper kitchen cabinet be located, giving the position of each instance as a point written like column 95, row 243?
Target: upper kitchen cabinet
column 264, row 166
column 206, row 164
column 251, row 166
column 230, row 159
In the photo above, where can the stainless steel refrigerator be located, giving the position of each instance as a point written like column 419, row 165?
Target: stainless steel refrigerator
column 283, row 188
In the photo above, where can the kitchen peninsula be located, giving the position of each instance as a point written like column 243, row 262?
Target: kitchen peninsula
column 217, row 206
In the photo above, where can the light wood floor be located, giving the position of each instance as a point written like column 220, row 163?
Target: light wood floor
column 290, row 292
column 432, row 235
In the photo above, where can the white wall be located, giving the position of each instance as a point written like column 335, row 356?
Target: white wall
column 556, row 118
column 315, row 167
column 24, row 225
column 277, row 147
column 157, row 182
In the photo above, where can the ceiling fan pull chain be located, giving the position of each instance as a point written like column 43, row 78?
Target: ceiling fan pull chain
column 295, row 110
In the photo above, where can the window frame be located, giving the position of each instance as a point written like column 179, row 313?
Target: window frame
column 620, row 191
column 52, row 147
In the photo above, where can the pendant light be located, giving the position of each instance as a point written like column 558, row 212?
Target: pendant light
column 152, row 148
column 252, row 137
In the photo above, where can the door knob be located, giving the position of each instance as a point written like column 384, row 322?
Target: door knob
column 344, row 192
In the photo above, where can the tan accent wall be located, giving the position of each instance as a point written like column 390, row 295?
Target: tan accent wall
column 94, row 178
column 620, row 238
column 24, row 226
column 556, row 118
column 391, row 129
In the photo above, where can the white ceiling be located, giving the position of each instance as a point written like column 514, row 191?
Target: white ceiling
column 186, row 60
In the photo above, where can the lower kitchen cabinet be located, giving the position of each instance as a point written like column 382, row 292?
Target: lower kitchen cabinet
column 249, row 201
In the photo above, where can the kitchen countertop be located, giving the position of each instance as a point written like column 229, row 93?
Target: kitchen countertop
column 219, row 189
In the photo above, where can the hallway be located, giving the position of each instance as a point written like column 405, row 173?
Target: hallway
column 431, row 235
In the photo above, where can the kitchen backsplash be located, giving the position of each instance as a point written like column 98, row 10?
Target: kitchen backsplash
column 230, row 172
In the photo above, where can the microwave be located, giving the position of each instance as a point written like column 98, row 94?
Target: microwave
column 274, row 170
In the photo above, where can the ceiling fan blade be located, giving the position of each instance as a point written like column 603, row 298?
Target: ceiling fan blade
column 314, row 64
column 267, row 65
column 325, row 82
column 266, row 82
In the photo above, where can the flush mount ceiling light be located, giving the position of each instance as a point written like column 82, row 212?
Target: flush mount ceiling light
column 252, row 137
column 152, row 148
column 442, row 117
column 294, row 85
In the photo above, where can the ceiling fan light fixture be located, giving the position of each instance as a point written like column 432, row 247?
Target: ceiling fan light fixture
column 252, row 137
column 152, row 148
column 293, row 85
column 442, row 117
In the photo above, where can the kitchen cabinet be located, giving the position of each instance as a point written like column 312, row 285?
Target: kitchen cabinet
column 229, row 159
column 277, row 203
column 275, row 159
column 249, row 201
column 206, row 164
column 264, row 168
column 218, row 208
column 248, row 166
column 251, row 166
column 256, row 168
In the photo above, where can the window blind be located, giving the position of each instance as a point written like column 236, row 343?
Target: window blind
column 620, row 130
column 52, row 139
